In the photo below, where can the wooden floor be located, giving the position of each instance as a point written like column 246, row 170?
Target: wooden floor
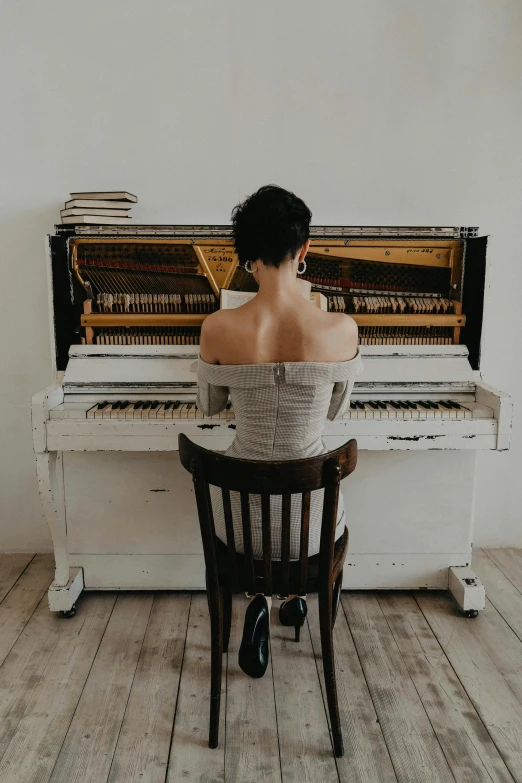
column 119, row 692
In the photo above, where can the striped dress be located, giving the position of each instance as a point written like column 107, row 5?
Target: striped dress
column 280, row 409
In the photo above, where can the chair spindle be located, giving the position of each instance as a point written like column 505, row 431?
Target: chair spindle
column 286, row 507
column 231, row 542
column 303, row 550
column 267, row 542
column 247, row 543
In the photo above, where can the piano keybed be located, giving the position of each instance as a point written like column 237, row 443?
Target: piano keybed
column 397, row 409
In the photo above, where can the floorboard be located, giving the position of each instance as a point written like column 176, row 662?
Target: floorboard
column 119, row 693
column 47, row 688
column 412, row 743
column 366, row 758
column 490, row 693
column 501, row 592
column 11, row 568
column 510, row 563
column 21, row 601
column 251, row 745
column 304, row 738
column 142, row 750
column 88, row 749
column 469, row 750
column 191, row 759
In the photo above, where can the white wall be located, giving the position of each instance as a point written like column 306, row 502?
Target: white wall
column 375, row 112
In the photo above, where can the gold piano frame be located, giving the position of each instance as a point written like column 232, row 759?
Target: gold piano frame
column 218, row 262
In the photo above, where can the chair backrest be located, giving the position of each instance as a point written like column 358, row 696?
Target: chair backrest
column 282, row 478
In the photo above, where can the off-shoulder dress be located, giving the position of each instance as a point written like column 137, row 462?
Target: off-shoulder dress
column 280, row 412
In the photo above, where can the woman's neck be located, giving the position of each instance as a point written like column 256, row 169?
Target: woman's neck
column 277, row 285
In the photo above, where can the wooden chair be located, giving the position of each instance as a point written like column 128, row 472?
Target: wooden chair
column 228, row 572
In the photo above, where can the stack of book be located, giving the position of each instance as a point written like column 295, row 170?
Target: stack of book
column 111, row 208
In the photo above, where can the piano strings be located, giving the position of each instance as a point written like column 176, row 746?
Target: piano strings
column 399, row 294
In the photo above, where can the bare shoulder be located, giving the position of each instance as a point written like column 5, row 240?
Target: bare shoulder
column 340, row 337
column 212, row 330
column 345, row 324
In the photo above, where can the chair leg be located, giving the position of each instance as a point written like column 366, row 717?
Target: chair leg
column 226, row 597
column 207, row 591
column 216, row 663
column 326, row 627
column 336, row 596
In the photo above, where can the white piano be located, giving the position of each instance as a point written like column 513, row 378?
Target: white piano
column 126, row 307
column 121, row 509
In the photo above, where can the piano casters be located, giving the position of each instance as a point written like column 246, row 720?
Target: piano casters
column 68, row 582
column 467, row 590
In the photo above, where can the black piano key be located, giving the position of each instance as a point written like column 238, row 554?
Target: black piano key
column 445, row 404
column 411, row 404
column 228, row 406
column 146, row 405
column 404, row 404
column 374, row 405
column 382, row 405
column 176, row 405
column 359, row 404
column 353, row 406
column 115, row 405
column 433, row 405
column 124, row 403
column 424, row 404
column 394, row 404
column 454, row 404
column 155, row 405
column 138, row 405
column 168, row 405
column 102, row 405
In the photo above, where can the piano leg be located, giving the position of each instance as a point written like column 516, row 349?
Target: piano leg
column 467, row 590
column 68, row 582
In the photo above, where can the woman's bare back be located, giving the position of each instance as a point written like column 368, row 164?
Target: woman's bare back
column 286, row 329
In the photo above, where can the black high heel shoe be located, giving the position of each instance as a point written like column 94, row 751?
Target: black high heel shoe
column 293, row 611
column 253, row 652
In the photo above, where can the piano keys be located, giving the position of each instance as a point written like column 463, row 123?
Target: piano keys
column 421, row 410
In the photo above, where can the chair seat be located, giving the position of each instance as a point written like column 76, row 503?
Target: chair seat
column 223, row 563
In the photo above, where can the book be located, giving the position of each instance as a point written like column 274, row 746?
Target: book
column 228, row 300
column 97, row 211
column 97, row 204
column 112, row 195
column 96, row 220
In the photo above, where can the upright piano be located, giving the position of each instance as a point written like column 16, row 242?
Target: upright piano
column 127, row 304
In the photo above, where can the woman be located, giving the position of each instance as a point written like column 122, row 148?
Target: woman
column 288, row 366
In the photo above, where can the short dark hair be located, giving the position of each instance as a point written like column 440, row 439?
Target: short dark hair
column 271, row 224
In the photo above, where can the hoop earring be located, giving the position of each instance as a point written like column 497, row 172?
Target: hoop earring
column 248, row 267
column 303, row 270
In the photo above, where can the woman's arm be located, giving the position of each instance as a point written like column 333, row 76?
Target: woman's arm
column 211, row 399
column 348, row 371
